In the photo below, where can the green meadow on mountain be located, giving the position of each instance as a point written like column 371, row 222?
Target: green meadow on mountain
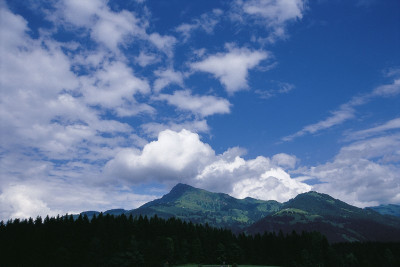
column 310, row 211
column 388, row 209
column 200, row 206
column 337, row 220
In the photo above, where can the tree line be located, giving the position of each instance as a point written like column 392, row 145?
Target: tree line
column 107, row 240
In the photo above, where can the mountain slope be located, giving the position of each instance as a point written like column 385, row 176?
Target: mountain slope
column 389, row 209
column 200, row 206
column 337, row 220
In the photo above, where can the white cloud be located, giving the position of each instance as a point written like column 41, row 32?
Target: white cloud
column 231, row 68
column 273, row 14
column 105, row 26
column 109, row 28
column 113, row 86
column 145, row 59
column 344, row 113
column 164, row 43
column 275, row 11
column 152, row 129
column 390, row 125
column 42, row 198
column 174, row 156
column 274, row 184
column 201, row 105
column 167, row 77
column 206, row 22
column 388, row 90
column 12, row 30
column 283, row 88
column 364, row 173
column 347, row 111
column 53, row 133
column 285, row 160
column 22, row 201
column 182, row 157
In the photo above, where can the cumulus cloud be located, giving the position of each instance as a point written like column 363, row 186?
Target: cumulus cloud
column 109, row 28
column 105, row 26
column 114, row 86
column 173, row 156
column 231, row 68
column 199, row 105
column 285, row 160
column 274, row 184
column 183, row 157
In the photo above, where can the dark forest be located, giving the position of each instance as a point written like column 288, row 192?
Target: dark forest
column 106, row 240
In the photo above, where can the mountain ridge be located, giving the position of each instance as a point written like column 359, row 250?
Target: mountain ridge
column 308, row 211
column 201, row 206
column 339, row 221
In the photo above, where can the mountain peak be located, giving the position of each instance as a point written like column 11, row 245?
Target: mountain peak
column 181, row 187
column 315, row 196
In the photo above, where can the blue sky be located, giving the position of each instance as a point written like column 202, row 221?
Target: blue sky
column 109, row 104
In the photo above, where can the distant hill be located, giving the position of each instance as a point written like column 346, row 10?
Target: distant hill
column 389, row 209
column 337, row 220
column 310, row 211
column 91, row 213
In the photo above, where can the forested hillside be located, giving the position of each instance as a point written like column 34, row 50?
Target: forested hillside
column 106, row 240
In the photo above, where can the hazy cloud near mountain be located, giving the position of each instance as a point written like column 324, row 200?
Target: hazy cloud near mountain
column 364, row 173
column 182, row 157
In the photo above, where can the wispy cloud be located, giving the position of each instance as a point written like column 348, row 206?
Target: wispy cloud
column 206, row 22
column 283, row 88
column 380, row 129
column 274, row 15
column 347, row 111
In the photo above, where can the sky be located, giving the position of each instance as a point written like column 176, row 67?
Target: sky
column 109, row 104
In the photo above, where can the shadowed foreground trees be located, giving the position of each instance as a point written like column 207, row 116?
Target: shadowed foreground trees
column 126, row 241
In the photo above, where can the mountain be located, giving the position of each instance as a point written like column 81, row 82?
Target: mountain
column 310, row 211
column 335, row 219
column 200, row 206
column 389, row 209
